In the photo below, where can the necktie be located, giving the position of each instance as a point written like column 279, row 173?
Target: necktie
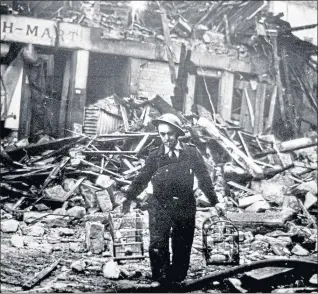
column 172, row 153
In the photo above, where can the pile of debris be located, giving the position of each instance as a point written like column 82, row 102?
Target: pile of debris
column 62, row 196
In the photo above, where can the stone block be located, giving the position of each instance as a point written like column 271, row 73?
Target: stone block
column 17, row 241
column 76, row 212
column 68, row 184
column 314, row 279
column 104, row 181
column 79, row 265
column 111, row 270
column 77, row 247
column 310, row 200
column 41, row 207
column 89, row 194
column 65, row 232
column 9, row 226
column 36, row 230
column 260, row 246
column 104, row 201
column 249, row 236
column 30, row 216
column 259, row 206
column 97, row 217
column 291, row 202
column 267, row 219
column 306, row 187
column 56, row 193
column 274, row 189
column 277, row 233
column 271, row 240
column 280, row 250
column 95, row 237
column 300, row 251
column 246, row 201
column 5, row 215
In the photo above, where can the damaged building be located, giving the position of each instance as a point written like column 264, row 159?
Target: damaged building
column 240, row 70
column 81, row 82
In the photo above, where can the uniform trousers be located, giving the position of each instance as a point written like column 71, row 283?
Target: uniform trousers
column 179, row 224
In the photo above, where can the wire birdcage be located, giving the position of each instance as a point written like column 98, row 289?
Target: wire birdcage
column 127, row 234
column 220, row 241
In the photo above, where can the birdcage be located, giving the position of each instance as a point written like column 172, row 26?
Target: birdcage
column 220, row 241
column 127, row 235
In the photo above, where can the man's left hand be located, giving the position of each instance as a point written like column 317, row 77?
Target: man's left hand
column 126, row 206
column 220, row 208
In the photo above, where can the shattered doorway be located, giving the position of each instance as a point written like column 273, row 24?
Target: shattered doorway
column 107, row 75
column 108, row 80
column 206, row 92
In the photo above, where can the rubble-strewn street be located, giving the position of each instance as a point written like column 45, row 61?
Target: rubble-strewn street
column 81, row 85
column 56, row 205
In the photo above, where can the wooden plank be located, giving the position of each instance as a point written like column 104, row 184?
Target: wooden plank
column 267, row 272
column 238, row 155
column 244, row 115
column 208, row 72
column 224, row 107
column 125, row 117
column 291, row 111
column 141, row 143
column 42, row 274
column 271, row 111
column 244, row 144
column 77, row 97
column 311, row 220
column 134, row 73
column 250, row 107
column 64, row 97
column 25, row 109
column 278, row 80
column 238, row 186
column 169, row 49
column 189, row 97
column 259, row 108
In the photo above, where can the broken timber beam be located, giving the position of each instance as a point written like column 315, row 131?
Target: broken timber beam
column 238, row 186
column 41, row 275
column 306, row 212
column 291, row 145
column 271, row 111
column 237, row 154
column 169, row 49
column 200, row 283
column 278, row 79
column 109, row 152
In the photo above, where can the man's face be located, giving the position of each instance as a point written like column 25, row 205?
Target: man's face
column 168, row 135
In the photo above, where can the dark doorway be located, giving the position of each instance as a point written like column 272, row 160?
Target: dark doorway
column 107, row 74
column 207, row 88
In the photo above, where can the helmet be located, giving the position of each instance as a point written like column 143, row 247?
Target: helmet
column 171, row 119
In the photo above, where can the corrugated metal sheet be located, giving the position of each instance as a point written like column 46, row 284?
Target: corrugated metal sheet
column 97, row 121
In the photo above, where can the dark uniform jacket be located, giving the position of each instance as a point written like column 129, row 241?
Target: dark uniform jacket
column 173, row 178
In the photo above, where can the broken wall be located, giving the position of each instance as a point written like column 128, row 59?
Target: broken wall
column 298, row 13
column 154, row 79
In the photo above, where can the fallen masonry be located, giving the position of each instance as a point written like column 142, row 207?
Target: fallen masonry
column 70, row 211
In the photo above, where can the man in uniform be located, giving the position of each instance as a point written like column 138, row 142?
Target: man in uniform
column 171, row 169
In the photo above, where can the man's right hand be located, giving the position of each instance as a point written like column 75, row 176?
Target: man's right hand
column 126, row 206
